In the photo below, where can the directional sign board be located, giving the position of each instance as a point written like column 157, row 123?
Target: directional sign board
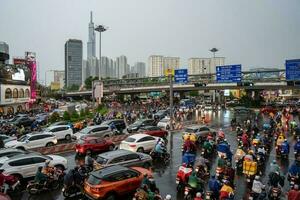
column 181, row 76
column 229, row 73
column 292, row 70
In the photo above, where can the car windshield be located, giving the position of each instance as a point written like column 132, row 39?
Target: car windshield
column 160, row 112
column 164, row 120
column 101, row 160
column 129, row 139
column 85, row 130
column 93, row 180
column 190, row 130
column 23, row 138
column 137, row 123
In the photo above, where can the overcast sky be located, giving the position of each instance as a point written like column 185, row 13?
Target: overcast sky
column 255, row 33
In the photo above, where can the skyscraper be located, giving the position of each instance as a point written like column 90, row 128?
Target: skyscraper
column 139, row 68
column 91, row 44
column 4, row 52
column 171, row 63
column 73, row 62
column 121, row 66
column 204, row 65
column 156, row 65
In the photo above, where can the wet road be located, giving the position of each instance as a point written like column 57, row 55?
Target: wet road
column 165, row 176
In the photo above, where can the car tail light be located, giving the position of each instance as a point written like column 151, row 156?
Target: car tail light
column 132, row 145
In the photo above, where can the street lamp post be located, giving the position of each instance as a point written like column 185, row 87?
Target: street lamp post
column 100, row 29
column 214, row 50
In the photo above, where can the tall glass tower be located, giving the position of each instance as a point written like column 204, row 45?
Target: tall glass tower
column 91, row 44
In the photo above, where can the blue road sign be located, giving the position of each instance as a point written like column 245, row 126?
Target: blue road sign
column 292, row 70
column 181, row 76
column 229, row 73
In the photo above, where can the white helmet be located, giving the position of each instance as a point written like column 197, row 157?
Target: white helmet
column 168, row 197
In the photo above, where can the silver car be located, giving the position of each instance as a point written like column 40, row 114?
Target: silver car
column 124, row 158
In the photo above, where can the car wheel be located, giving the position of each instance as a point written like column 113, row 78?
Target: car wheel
column 49, row 144
column 111, row 197
column 68, row 137
column 141, row 150
column 111, row 148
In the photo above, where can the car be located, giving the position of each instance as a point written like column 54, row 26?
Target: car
column 160, row 114
column 164, row 123
column 7, row 153
column 139, row 143
column 201, row 132
column 118, row 123
column 6, row 138
column 42, row 118
column 114, row 182
column 154, row 131
column 102, row 131
column 140, row 123
column 22, row 121
column 125, row 158
column 61, row 131
column 93, row 144
column 25, row 166
column 33, row 140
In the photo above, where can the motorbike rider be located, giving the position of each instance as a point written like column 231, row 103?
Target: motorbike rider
column 221, row 162
column 195, row 182
column 159, row 149
column 250, row 156
column 245, row 140
column 275, row 179
column 285, row 147
column 226, row 190
column 189, row 146
column 230, row 172
column 207, row 146
column 89, row 161
column 297, row 146
column 274, row 167
column 40, row 177
column 294, row 170
column 47, row 169
column 294, row 193
column 224, row 149
column 214, row 186
column 293, row 125
column 261, row 150
column 257, row 186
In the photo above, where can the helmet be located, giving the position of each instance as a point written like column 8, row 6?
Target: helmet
column 168, row 197
column 198, row 194
column 257, row 177
column 251, row 152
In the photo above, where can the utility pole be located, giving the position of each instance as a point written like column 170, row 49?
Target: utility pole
column 100, row 29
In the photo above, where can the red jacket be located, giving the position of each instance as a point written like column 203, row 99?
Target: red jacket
column 294, row 195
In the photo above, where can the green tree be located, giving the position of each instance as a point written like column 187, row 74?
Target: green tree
column 88, row 82
column 74, row 115
column 66, row 116
column 54, row 117
column 82, row 113
column 73, row 88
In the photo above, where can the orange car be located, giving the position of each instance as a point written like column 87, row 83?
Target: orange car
column 113, row 182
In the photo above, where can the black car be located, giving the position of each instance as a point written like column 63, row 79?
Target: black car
column 140, row 123
column 22, row 121
column 119, row 124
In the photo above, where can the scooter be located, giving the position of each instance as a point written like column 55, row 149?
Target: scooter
column 182, row 177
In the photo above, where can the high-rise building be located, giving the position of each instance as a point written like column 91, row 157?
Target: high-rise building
column 92, row 66
column 121, row 66
column 112, row 71
column 59, row 78
column 139, row 68
column 73, row 62
column 156, row 65
column 91, row 44
column 204, row 65
column 171, row 63
column 4, row 52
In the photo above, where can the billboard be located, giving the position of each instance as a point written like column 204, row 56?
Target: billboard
column 229, row 73
column 292, row 70
column 19, row 61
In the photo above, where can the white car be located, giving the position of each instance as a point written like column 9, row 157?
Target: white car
column 33, row 140
column 102, row 131
column 61, row 131
column 164, row 123
column 139, row 143
column 26, row 165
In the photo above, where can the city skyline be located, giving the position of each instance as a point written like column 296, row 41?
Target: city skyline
column 227, row 26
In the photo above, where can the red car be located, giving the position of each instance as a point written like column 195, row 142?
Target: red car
column 268, row 109
column 154, row 131
column 93, row 144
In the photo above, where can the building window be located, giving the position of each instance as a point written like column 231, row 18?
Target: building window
column 27, row 93
column 8, row 93
column 10, row 110
column 15, row 93
column 19, row 108
column 21, row 93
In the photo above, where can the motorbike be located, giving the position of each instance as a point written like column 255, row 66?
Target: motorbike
column 72, row 190
column 182, row 177
column 53, row 183
column 165, row 158
column 189, row 192
column 202, row 172
column 13, row 183
column 275, row 193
